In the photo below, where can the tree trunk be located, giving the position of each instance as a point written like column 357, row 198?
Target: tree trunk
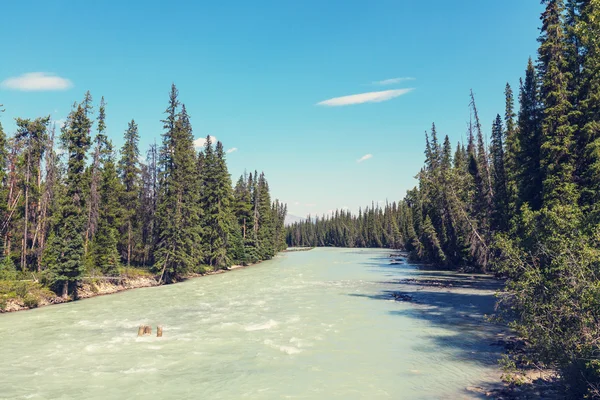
column 25, row 227
column 65, row 289
column 129, row 243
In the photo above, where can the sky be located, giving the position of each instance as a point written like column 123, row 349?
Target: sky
column 330, row 99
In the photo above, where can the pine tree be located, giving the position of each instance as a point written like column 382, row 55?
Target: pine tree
column 556, row 161
column 129, row 170
column 94, row 195
column 511, row 145
column 589, row 105
column 265, row 221
column 178, row 209
column 105, row 254
column 500, row 213
column 528, row 169
column 65, row 251
column 218, row 223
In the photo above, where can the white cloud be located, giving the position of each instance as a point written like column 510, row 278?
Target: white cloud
column 231, row 150
column 370, row 97
column 364, row 158
column 36, row 81
column 200, row 142
column 393, row 81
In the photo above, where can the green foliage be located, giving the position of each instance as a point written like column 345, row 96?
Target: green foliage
column 65, row 251
column 7, row 269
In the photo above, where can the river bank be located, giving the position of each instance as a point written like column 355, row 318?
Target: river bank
column 93, row 287
column 471, row 298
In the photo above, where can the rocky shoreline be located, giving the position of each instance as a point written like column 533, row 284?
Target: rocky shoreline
column 99, row 287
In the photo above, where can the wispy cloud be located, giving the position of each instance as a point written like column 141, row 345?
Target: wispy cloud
column 36, row 81
column 364, row 158
column 200, row 142
column 231, row 150
column 393, row 81
column 369, row 97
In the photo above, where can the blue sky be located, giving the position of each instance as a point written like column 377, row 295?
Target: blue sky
column 253, row 74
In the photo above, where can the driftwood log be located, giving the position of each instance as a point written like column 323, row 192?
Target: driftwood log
column 144, row 330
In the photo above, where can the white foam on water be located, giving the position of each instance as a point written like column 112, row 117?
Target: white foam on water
column 226, row 326
column 138, row 370
column 300, row 342
column 259, row 327
column 284, row 349
column 290, row 350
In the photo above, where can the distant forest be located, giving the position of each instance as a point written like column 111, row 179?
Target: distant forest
column 524, row 206
column 71, row 206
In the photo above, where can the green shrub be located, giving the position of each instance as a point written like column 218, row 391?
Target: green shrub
column 7, row 269
column 31, row 301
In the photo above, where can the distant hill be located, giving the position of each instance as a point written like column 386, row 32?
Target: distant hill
column 290, row 219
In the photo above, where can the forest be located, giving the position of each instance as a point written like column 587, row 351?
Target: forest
column 71, row 206
column 524, row 205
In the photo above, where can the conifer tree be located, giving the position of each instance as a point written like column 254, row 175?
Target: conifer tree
column 588, row 29
column 265, row 221
column 177, row 211
column 511, row 145
column 94, row 195
column 65, row 251
column 105, row 254
column 129, row 171
column 216, row 198
column 500, row 203
column 556, row 161
column 528, row 169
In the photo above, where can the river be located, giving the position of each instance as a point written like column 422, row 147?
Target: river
column 318, row 324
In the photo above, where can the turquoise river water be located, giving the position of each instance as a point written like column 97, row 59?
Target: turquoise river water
column 319, row 324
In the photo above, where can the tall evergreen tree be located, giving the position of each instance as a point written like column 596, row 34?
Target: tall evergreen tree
column 105, row 254
column 129, row 170
column 556, row 161
column 501, row 201
column 65, row 251
column 528, row 168
column 178, row 211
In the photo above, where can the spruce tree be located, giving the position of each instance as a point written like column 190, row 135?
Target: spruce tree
column 528, row 168
column 129, row 170
column 500, row 213
column 178, row 211
column 511, row 145
column 64, row 254
column 94, row 195
column 218, row 223
column 557, row 163
column 104, row 252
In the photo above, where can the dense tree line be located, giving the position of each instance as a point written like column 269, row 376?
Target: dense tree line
column 373, row 227
column 70, row 205
column 526, row 205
